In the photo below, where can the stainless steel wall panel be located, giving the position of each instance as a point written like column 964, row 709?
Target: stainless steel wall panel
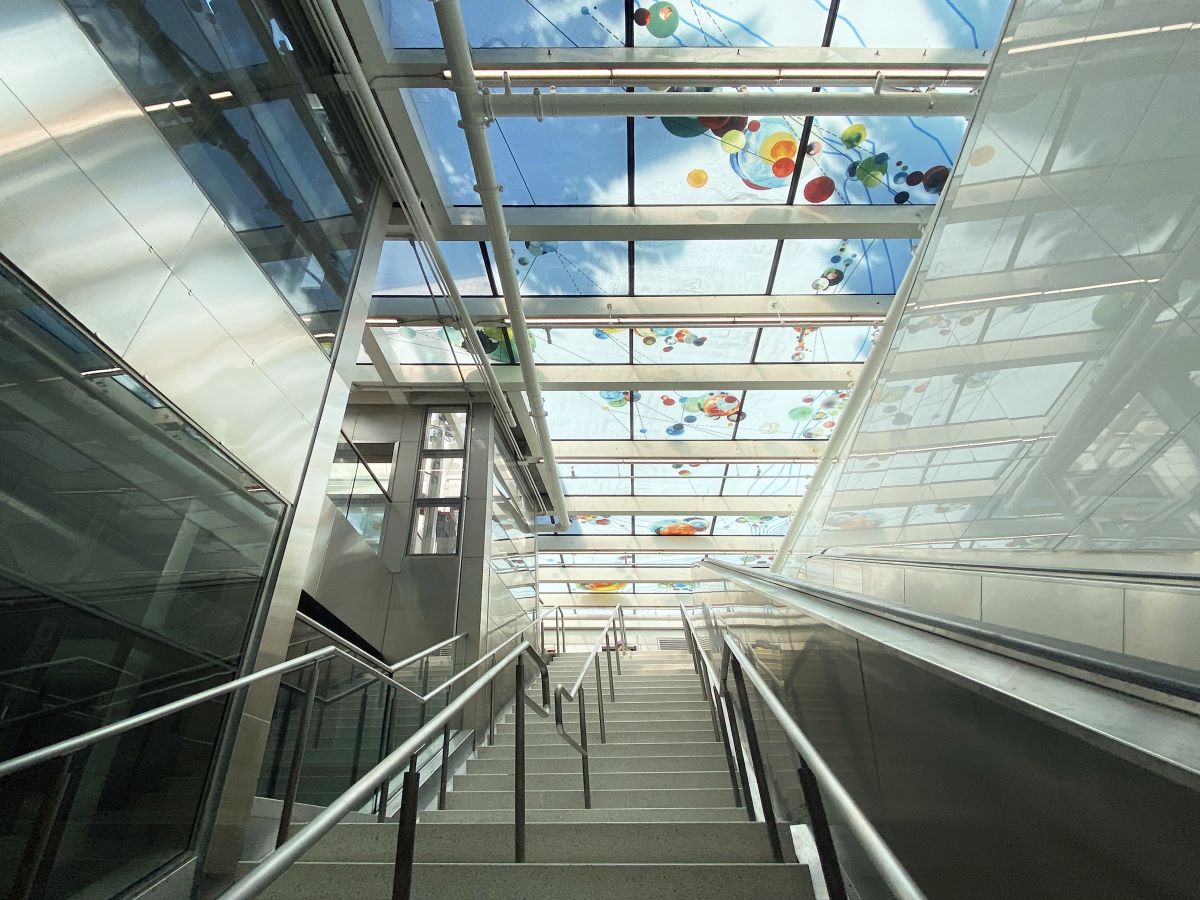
column 1085, row 612
column 354, row 585
column 183, row 350
column 58, row 228
column 1163, row 624
column 65, row 84
column 223, row 277
column 942, row 592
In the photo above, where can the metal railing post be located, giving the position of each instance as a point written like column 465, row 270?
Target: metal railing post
column 31, row 872
column 491, row 741
column 424, row 689
column 606, row 642
column 385, row 747
column 724, row 737
column 519, row 775
column 608, row 655
column 600, row 706
column 444, row 775
column 624, row 633
column 818, row 820
column 293, row 782
column 406, row 835
column 587, row 775
column 756, row 758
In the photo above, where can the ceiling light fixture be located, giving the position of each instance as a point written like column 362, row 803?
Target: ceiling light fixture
column 736, row 74
column 101, row 373
column 1096, row 38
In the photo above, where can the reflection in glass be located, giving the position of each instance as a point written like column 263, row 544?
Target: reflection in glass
column 435, row 530
column 446, row 430
column 440, row 477
column 277, row 154
column 133, row 555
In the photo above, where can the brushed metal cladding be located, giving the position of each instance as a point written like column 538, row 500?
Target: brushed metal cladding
column 1084, row 612
column 976, row 796
column 354, row 585
column 68, row 87
column 58, row 228
column 229, row 284
column 184, row 352
column 944, row 593
column 1163, row 624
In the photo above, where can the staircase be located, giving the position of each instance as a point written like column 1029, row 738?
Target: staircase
column 663, row 822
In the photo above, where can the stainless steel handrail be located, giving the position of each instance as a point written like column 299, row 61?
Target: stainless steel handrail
column 576, row 693
column 294, row 848
column 391, row 668
column 818, row 782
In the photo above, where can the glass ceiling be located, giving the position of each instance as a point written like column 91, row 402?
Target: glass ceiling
column 660, row 268
column 613, row 161
column 715, row 23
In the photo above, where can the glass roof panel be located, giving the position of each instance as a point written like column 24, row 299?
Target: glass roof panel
column 731, row 23
column 879, row 159
column 421, row 344
column 817, row 344
column 400, row 272
column 662, row 587
column 713, row 160
column 667, row 559
column 580, row 268
column 843, row 267
column 512, row 23
column 572, row 160
column 791, row 415
column 578, row 346
column 696, row 415
column 768, row 479
column 766, row 525
column 693, row 345
column 702, row 267
column 919, row 23
column 672, row 526
column 587, row 415
column 601, row 587
column 600, row 524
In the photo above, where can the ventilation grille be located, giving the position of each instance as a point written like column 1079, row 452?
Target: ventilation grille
column 672, row 643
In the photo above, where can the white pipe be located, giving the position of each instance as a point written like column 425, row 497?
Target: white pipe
column 404, row 192
column 474, row 126
column 545, row 104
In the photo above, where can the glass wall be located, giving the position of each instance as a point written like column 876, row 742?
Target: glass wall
column 132, row 554
column 357, row 486
column 437, row 511
column 512, row 574
column 242, row 90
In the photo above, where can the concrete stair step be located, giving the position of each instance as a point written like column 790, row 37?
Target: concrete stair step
column 617, row 781
column 561, row 749
column 614, row 726
column 560, row 881
column 599, row 764
column 617, row 736
column 590, row 816
column 648, row 798
column 583, row 842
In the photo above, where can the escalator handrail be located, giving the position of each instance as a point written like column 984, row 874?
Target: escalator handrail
column 1054, row 653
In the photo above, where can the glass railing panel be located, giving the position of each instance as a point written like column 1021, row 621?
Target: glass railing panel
column 90, row 824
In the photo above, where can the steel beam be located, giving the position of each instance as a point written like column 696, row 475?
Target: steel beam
column 728, row 103
column 670, row 223
column 676, row 505
column 616, row 311
column 748, row 452
column 566, row 574
column 648, row 543
column 779, row 376
column 773, row 66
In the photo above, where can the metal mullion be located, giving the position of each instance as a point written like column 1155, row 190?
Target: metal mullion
column 724, row 478
column 366, row 466
column 487, row 267
column 754, row 349
column 742, row 410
